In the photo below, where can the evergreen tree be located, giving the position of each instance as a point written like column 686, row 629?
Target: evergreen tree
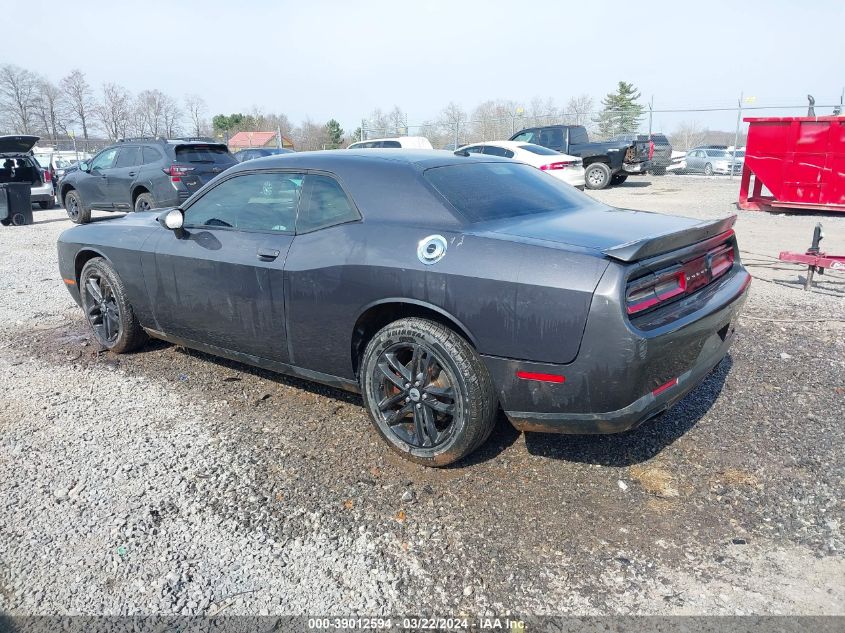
column 335, row 134
column 621, row 114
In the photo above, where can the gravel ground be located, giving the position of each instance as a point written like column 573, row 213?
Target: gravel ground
column 167, row 481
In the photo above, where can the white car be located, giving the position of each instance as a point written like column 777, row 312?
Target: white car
column 569, row 169
column 397, row 142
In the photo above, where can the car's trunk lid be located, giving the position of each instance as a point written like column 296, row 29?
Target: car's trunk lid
column 17, row 144
column 621, row 234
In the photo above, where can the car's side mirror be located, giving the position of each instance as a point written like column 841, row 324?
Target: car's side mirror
column 172, row 220
column 84, row 167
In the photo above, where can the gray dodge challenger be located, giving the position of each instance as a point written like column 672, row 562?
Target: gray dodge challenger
column 439, row 286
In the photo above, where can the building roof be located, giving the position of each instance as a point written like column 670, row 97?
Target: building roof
column 256, row 139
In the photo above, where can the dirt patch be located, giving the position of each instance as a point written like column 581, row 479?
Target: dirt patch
column 656, row 481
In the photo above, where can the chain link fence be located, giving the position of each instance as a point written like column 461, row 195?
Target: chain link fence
column 687, row 128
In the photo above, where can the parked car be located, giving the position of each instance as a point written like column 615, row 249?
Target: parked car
column 403, row 142
column 439, row 286
column 660, row 153
column 260, row 152
column 142, row 173
column 55, row 163
column 569, row 169
column 710, row 161
column 18, row 164
column 607, row 163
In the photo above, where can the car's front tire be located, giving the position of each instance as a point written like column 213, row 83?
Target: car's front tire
column 144, row 202
column 75, row 208
column 107, row 308
column 597, row 176
column 427, row 391
column 708, row 169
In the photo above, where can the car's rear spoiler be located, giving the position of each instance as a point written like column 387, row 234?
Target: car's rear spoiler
column 650, row 246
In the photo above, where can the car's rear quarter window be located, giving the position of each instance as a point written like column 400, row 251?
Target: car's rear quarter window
column 491, row 191
column 538, row 149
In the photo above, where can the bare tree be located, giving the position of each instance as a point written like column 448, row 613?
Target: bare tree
column 542, row 111
column 452, row 119
column 171, row 116
column 579, row 111
column 18, row 95
column 398, row 122
column 48, row 105
column 197, row 109
column 80, row 98
column 308, row 136
column 114, row 111
column 150, row 106
column 688, row 134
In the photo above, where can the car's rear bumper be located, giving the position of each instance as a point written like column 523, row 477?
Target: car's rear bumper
column 637, row 168
column 42, row 193
column 623, row 376
column 571, row 176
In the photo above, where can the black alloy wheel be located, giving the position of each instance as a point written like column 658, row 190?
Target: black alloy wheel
column 428, row 392
column 417, row 395
column 101, row 308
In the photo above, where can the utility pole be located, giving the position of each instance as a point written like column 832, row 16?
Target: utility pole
column 650, row 112
column 279, row 135
column 363, row 125
column 736, row 133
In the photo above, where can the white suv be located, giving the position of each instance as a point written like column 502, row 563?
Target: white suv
column 397, row 142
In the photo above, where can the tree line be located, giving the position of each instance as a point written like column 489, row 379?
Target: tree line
column 33, row 104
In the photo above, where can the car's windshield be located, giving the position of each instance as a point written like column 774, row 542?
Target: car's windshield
column 491, row 191
column 538, row 149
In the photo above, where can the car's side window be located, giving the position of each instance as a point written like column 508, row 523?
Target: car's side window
column 475, row 149
column 105, row 159
column 492, row 150
column 265, row 201
column 128, row 157
column 552, row 137
column 391, row 144
column 325, row 204
column 151, row 155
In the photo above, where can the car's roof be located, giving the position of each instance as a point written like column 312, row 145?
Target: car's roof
column 505, row 144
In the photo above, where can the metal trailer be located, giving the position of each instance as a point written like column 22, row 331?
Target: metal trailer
column 814, row 258
column 799, row 160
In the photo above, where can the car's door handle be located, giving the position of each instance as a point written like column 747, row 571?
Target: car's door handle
column 131, row 173
column 267, row 254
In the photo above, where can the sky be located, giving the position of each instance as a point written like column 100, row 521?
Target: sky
column 324, row 59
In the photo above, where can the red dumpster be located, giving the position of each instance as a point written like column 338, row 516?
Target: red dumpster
column 800, row 160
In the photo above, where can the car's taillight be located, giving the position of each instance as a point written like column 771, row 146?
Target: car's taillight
column 563, row 164
column 47, row 176
column 655, row 288
column 650, row 150
column 647, row 292
column 177, row 171
column 721, row 261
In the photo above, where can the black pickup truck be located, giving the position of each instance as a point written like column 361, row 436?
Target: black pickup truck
column 607, row 163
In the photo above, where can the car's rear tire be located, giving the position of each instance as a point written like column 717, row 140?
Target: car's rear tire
column 144, row 202
column 46, row 204
column 708, row 169
column 107, row 309
column 597, row 176
column 618, row 179
column 427, row 391
column 75, row 208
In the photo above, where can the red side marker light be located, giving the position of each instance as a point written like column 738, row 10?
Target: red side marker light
column 530, row 375
column 665, row 386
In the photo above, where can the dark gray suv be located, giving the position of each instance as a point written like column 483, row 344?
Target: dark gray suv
column 138, row 174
